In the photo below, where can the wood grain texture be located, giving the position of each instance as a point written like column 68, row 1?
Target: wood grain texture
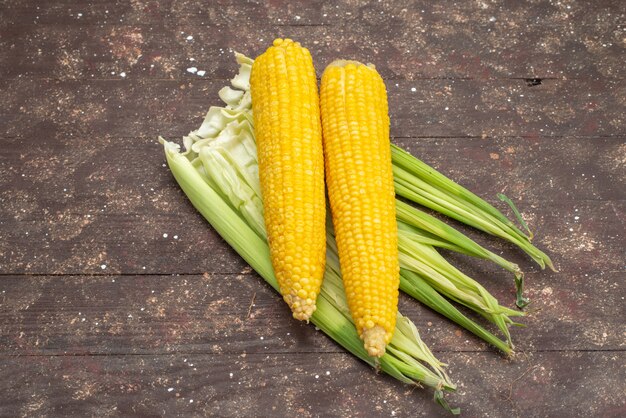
column 404, row 39
column 418, row 108
column 113, row 290
column 75, row 203
column 152, row 314
column 546, row 385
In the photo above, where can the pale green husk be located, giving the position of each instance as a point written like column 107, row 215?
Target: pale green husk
column 218, row 173
column 420, row 183
column 226, row 150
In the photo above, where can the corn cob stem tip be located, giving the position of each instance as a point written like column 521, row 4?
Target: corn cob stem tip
column 374, row 340
column 302, row 308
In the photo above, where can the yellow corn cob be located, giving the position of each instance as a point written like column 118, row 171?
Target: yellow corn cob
column 285, row 105
column 359, row 177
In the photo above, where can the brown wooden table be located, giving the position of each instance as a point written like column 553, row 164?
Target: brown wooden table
column 117, row 299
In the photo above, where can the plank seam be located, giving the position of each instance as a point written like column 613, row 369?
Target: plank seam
column 266, row 353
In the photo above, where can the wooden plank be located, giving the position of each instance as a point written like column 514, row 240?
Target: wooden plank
column 307, row 384
column 547, row 384
column 446, row 108
column 67, row 240
column 230, row 314
column 319, row 12
column 480, row 90
column 149, row 314
column 74, row 204
column 404, row 39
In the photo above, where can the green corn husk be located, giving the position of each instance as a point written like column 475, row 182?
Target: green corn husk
column 415, row 286
column 223, row 150
column 406, row 353
column 430, row 230
column 219, row 174
column 422, row 290
column 420, row 183
column 449, row 281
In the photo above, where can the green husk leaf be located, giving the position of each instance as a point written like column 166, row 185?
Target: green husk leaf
column 518, row 215
column 219, row 174
column 330, row 315
column 422, row 184
column 224, row 151
column 415, row 286
column 430, row 230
